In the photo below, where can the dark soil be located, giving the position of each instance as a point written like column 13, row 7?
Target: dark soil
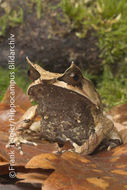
column 49, row 41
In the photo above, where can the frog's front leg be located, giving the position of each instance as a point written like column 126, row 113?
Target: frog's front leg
column 23, row 126
column 18, row 141
column 27, row 119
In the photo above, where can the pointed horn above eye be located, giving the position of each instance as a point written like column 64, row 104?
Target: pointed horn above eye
column 33, row 71
column 29, row 62
column 72, row 64
column 36, row 67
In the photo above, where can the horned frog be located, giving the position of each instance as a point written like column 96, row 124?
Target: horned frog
column 70, row 110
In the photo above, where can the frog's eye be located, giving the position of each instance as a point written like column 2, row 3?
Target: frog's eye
column 74, row 76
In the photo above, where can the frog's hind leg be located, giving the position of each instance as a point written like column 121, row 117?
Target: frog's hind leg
column 93, row 141
column 103, row 131
column 113, row 139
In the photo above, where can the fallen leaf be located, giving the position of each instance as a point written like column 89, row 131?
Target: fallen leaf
column 123, row 134
column 4, row 116
column 21, row 99
column 4, row 169
column 42, row 161
column 119, row 113
column 94, row 172
column 32, row 177
column 3, row 161
column 22, row 103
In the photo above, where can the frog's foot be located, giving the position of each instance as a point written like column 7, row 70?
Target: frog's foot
column 108, row 144
column 18, row 141
column 114, row 139
column 113, row 143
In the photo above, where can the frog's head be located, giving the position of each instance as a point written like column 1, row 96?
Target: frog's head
column 72, row 79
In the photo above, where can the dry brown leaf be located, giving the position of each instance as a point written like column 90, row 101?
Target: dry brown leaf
column 4, row 118
column 21, row 99
column 32, row 177
column 22, row 103
column 123, row 134
column 106, row 170
column 4, row 169
column 3, row 161
column 119, row 113
column 44, row 161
